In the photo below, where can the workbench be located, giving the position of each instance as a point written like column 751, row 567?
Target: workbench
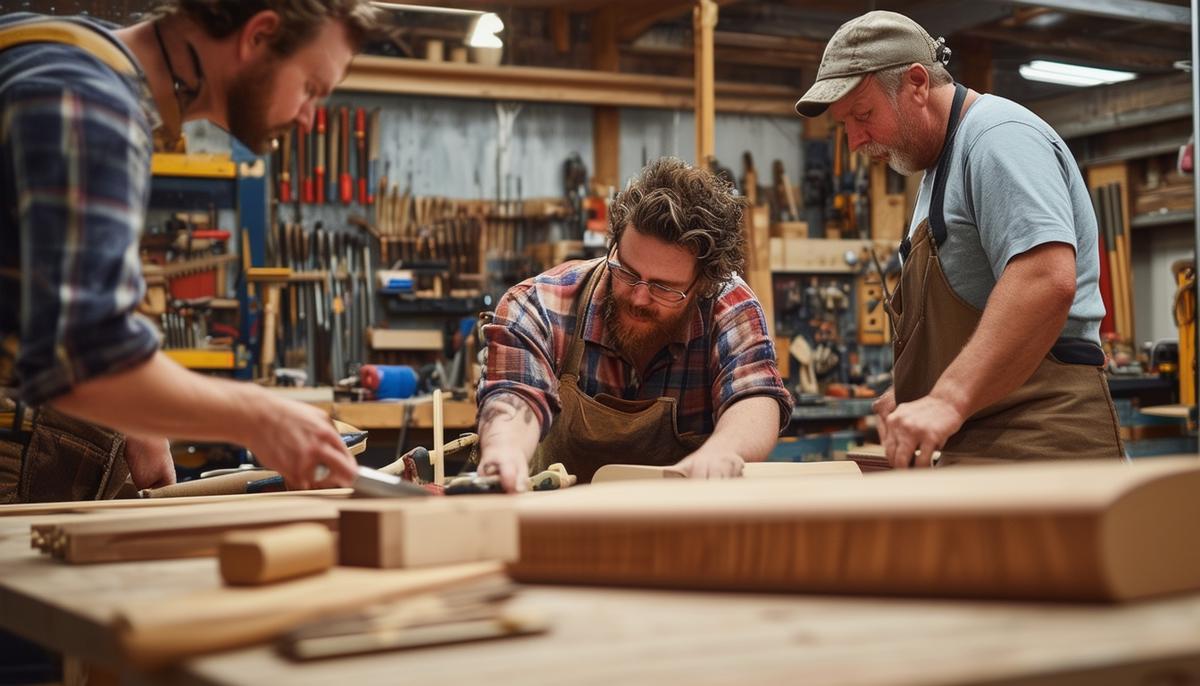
column 605, row 636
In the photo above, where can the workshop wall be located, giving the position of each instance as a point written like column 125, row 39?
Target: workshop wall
column 647, row 134
column 1154, row 250
column 449, row 146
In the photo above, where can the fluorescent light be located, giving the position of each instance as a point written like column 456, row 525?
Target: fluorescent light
column 483, row 31
column 483, row 35
column 1072, row 74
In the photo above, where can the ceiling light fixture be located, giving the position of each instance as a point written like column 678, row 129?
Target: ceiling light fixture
column 1072, row 74
column 482, row 33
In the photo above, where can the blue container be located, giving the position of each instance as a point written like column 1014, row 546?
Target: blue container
column 389, row 382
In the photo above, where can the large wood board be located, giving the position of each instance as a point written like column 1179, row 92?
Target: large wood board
column 1080, row 531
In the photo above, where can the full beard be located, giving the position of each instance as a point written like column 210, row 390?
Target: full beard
column 651, row 332
column 249, row 97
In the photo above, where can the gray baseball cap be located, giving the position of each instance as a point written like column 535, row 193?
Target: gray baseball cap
column 875, row 41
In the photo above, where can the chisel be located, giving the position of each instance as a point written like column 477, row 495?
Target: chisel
column 347, row 186
column 320, row 168
column 333, row 159
column 360, row 146
column 285, row 168
column 303, row 185
column 373, row 142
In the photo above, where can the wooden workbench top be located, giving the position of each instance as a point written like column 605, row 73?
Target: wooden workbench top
column 606, row 636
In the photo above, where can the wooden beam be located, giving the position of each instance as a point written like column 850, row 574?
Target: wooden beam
column 606, row 121
column 1117, row 106
column 742, row 48
column 638, row 17
column 560, row 30
column 1140, row 11
column 704, row 22
column 975, row 65
column 538, row 84
column 1057, row 43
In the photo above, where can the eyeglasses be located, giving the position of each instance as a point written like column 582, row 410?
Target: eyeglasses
column 662, row 294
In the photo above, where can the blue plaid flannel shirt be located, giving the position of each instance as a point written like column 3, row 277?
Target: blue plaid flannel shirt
column 75, row 147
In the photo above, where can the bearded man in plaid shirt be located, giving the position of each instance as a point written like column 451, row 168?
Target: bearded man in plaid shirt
column 657, row 353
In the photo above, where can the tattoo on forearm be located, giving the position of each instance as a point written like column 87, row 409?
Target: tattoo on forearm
column 508, row 406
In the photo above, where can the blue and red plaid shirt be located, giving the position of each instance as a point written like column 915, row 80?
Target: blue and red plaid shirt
column 725, row 356
column 75, row 147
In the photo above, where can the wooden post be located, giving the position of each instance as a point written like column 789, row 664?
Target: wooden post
column 976, row 66
column 606, row 129
column 439, row 460
column 704, row 21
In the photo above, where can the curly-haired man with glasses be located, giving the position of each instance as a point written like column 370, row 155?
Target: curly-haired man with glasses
column 83, row 102
column 656, row 354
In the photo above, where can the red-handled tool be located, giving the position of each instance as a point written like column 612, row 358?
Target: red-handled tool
column 303, row 183
column 320, row 168
column 285, row 168
column 347, row 185
column 360, row 145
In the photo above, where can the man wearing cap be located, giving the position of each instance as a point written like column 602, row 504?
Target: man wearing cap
column 996, row 318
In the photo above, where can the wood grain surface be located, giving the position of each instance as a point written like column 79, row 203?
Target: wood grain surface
column 1083, row 531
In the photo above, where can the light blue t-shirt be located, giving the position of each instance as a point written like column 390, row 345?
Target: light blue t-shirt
column 1012, row 185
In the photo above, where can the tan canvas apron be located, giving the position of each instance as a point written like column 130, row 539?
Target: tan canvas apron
column 1064, row 410
column 589, row 433
column 46, row 455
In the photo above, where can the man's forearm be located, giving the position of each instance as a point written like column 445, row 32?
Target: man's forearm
column 161, row 398
column 749, row 429
column 1023, row 318
column 507, row 422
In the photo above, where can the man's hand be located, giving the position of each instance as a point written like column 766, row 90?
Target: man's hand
column 923, row 424
column 711, row 464
column 293, row 439
column 150, row 462
column 510, row 465
column 882, row 408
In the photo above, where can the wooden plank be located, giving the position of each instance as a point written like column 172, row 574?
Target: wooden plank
column 755, row 223
column 427, row 532
column 458, row 414
column 194, row 531
column 1057, row 531
column 139, row 504
column 752, row 470
column 539, row 84
column 889, row 220
column 406, row 339
column 156, row 634
column 602, row 634
column 824, row 255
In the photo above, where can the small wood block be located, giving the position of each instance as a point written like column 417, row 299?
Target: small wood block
column 427, row 531
column 251, row 558
column 406, row 339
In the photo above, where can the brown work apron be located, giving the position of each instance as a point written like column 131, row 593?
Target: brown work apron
column 59, row 458
column 1063, row 411
column 589, row 433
